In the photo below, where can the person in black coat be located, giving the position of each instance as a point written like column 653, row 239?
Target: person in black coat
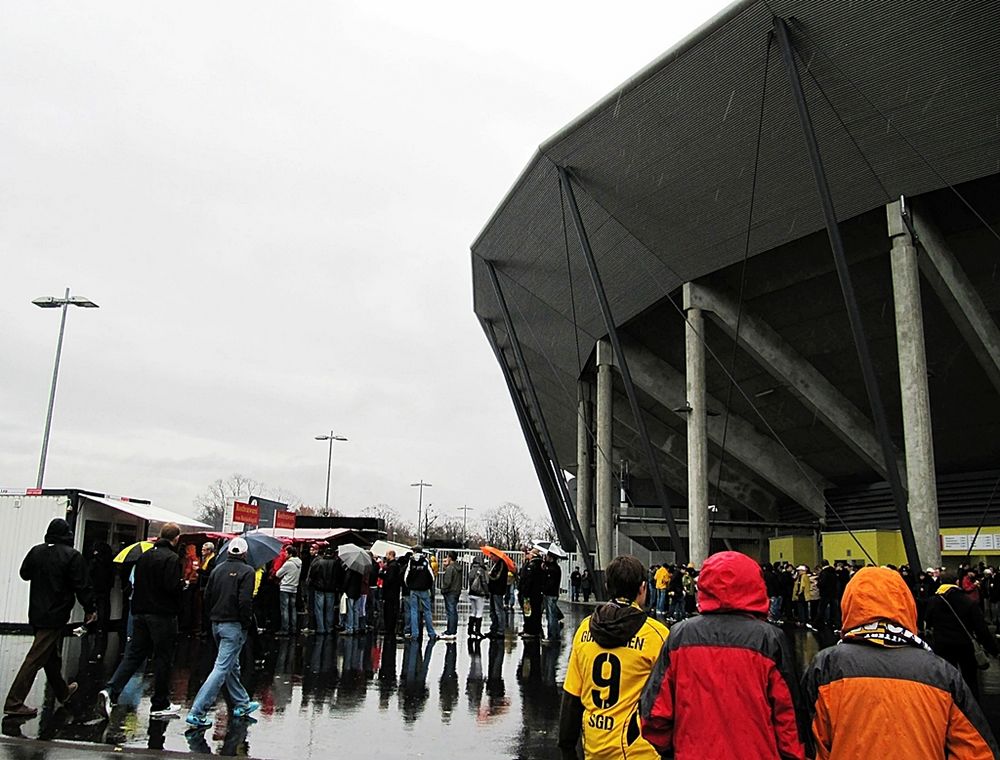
column 101, row 567
column 392, row 582
column 530, row 585
column 58, row 574
column 156, row 603
column 497, row 586
column 552, row 581
column 954, row 618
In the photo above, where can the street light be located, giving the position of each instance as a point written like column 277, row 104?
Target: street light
column 53, row 302
column 465, row 519
column 329, row 465
column 420, row 507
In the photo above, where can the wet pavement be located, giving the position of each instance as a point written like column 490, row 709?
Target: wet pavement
column 323, row 696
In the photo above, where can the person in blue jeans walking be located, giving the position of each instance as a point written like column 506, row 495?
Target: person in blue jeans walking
column 419, row 580
column 229, row 596
column 323, row 581
column 552, row 580
column 451, row 590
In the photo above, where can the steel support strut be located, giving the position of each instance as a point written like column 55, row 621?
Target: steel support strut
column 552, row 460
column 543, row 472
column 633, row 398
column 850, row 299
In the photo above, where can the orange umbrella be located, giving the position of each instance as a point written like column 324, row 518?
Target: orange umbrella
column 492, row 551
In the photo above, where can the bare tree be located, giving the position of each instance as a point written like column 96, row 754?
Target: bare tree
column 219, row 496
column 506, row 526
column 212, row 504
column 545, row 530
column 446, row 531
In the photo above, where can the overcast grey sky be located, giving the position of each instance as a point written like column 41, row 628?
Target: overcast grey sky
column 273, row 206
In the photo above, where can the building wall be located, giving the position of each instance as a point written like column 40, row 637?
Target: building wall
column 799, row 550
column 884, row 546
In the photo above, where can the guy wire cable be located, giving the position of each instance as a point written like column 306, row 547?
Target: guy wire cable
column 982, row 520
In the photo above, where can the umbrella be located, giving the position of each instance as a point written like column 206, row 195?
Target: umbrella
column 355, row 558
column 261, row 548
column 132, row 553
column 551, row 547
column 494, row 553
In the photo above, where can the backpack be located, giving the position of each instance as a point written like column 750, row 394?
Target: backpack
column 477, row 583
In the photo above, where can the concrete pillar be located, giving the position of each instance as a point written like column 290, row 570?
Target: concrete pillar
column 914, row 395
column 584, row 476
column 697, row 433
column 604, row 486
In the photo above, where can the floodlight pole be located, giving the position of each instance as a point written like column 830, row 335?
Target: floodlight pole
column 64, row 303
column 329, row 465
column 465, row 509
column 420, row 508
column 633, row 398
column 850, row 299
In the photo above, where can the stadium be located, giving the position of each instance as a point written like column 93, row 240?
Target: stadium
column 749, row 299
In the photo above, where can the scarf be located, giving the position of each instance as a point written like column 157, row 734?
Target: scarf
column 885, row 633
column 945, row 588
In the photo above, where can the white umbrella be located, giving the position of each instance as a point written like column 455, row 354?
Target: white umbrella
column 355, row 558
column 551, row 547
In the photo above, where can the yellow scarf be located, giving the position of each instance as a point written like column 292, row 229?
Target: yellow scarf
column 945, row 587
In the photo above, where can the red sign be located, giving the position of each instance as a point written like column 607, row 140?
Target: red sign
column 248, row 514
column 284, row 520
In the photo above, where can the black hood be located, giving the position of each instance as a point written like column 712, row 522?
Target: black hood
column 58, row 532
column 615, row 623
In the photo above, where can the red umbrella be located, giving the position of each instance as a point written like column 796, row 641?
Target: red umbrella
column 492, row 551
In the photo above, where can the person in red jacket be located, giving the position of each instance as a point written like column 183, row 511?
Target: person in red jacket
column 723, row 685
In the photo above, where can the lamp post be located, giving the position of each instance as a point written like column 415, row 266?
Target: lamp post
column 54, row 302
column 420, row 508
column 465, row 509
column 329, row 465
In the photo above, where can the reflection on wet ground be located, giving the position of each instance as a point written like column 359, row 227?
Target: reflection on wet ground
column 327, row 695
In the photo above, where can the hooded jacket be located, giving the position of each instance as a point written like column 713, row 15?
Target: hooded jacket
column 158, row 583
column 869, row 700
column 229, row 595
column 723, row 685
column 57, row 573
column 613, row 652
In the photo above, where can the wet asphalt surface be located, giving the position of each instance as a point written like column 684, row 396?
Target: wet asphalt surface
column 321, row 697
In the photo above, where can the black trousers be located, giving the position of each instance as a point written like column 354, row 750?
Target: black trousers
column 390, row 612
column 153, row 636
column 45, row 654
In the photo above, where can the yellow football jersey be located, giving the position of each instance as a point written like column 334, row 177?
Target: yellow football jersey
column 609, row 683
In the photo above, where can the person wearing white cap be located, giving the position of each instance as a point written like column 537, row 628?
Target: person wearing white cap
column 229, row 598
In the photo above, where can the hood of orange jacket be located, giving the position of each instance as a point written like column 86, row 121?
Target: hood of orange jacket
column 731, row 582
column 878, row 593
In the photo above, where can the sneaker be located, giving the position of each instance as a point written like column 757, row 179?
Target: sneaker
column 70, row 691
column 196, row 722
column 244, row 710
column 104, row 703
column 165, row 713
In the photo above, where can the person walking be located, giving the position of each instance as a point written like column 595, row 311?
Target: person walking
column 156, row 603
column 551, row 582
column 574, row 585
column 613, row 653
column 289, row 575
column 392, row 580
column 322, row 580
column 882, row 692
column 451, row 590
column 586, row 585
column 723, row 685
column 955, row 619
column 229, row 597
column 498, row 596
column 58, row 574
column 419, row 580
column 478, row 594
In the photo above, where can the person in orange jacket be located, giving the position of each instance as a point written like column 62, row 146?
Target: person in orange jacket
column 882, row 692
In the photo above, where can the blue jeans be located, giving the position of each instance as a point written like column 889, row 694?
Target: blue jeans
column 352, row 615
column 230, row 638
column 289, row 617
column 324, row 606
column 498, row 614
column 451, row 613
column 420, row 607
column 677, row 611
column 552, row 617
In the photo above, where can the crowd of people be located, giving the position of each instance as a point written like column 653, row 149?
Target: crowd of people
column 903, row 680
column 682, row 661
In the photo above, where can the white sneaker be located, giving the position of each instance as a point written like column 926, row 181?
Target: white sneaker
column 168, row 712
column 104, row 703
